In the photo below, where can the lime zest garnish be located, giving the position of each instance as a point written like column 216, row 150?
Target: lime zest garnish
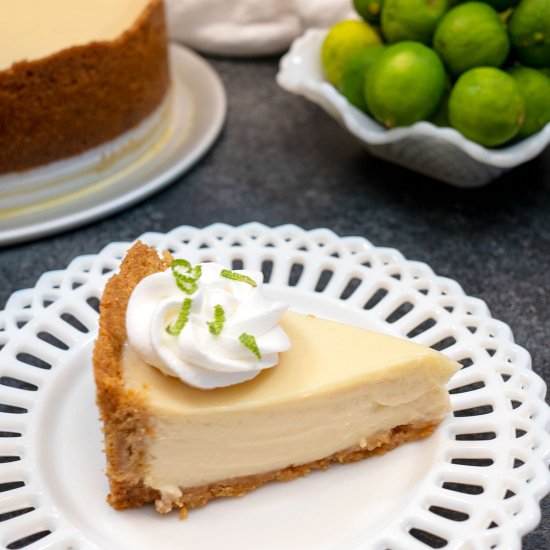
column 184, row 264
column 216, row 326
column 175, row 328
column 186, row 269
column 249, row 342
column 186, row 275
column 237, row 277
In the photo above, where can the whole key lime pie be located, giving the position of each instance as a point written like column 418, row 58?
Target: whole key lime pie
column 207, row 389
column 76, row 74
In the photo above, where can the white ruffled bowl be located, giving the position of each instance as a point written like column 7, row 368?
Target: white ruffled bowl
column 441, row 153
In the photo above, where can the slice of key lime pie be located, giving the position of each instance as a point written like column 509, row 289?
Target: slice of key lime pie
column 207, row 389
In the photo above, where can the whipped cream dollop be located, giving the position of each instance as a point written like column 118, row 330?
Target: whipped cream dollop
column 206, row 325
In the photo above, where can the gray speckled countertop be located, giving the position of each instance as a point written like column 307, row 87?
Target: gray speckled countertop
column 281, row 160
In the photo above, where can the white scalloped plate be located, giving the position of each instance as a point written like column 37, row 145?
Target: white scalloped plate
column 442, row 153
column 475, row 484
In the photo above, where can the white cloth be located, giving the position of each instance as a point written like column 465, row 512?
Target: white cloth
column 249, row 27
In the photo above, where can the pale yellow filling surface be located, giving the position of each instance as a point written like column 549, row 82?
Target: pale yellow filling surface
column 335, row 388
column 33, row 29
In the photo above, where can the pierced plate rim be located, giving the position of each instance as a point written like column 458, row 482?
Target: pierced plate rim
column 349, row 258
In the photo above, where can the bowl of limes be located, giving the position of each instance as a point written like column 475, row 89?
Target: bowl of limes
column 456, row 90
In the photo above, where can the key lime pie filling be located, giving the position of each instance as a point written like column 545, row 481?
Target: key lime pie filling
column 207, row 389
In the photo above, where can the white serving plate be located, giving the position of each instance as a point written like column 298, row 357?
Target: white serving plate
column 441, row 153
column 398, row 501
column 108, row 178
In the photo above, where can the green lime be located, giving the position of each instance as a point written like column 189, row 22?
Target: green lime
column 529, row 29
column 534, row 85
column 405, row 84
column 343, row 40
column 411, row 19
column 486, row 106
column 352, row 83
column 369, row 9
column 441, row 115
column 471, row 35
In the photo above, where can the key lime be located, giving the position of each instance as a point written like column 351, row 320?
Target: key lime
column 441, row 115
column 405, row 84
column 343, row 40
column 529, row 29
column 369, row 9
column 352, row 83
column 411, row 19
column 534, row 85
column 471, row 35
column 486, row 106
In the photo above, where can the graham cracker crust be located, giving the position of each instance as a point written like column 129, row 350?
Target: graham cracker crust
column 123, row 414
column 84, row 96
column 126, row 424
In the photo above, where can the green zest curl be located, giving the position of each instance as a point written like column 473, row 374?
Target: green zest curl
column 249, row 342
column 174, row 329
column 186, row 275
column 216, row 326
column 237, row 277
